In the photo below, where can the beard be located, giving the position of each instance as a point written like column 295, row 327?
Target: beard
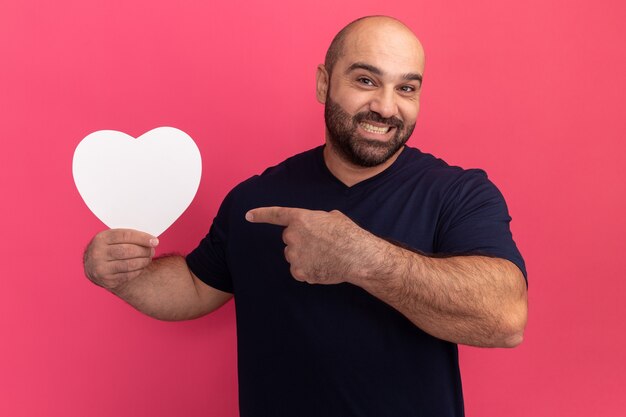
column 342, row 133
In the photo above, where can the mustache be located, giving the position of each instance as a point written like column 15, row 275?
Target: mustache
column 375, row 117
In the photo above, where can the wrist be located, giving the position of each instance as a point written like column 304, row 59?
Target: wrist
column 377, row 262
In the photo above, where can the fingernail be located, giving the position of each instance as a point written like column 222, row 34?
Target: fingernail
column 249, row 216
column 154, row 242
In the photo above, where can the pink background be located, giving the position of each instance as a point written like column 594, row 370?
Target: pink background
column 531, row 91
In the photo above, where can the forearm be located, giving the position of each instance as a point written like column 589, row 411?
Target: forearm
column 472, row 300
column 165, row 290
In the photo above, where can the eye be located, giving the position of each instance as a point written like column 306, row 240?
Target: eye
column 365, row 81
column 407, row 89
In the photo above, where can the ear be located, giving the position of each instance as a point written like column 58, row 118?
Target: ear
column 322, row 80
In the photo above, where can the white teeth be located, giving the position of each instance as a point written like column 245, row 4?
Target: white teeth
column 374, row 129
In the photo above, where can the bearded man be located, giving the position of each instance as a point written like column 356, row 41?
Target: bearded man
column 410, row 256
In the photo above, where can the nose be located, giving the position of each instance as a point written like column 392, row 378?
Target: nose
column 384, row 103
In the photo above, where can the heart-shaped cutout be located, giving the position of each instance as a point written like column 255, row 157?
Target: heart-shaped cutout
column 144, row 183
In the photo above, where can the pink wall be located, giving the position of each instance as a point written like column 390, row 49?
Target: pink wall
column 532, row 91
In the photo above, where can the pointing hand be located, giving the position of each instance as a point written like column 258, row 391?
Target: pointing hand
column 321, row 247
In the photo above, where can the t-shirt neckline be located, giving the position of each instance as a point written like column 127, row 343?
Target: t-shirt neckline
column 362, row 184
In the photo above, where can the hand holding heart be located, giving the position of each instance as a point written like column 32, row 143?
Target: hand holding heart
column 322, row 247
column 116, row 256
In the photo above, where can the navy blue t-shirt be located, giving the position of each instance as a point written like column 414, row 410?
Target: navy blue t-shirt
column 335, row 350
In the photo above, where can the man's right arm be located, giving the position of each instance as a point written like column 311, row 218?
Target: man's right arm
column 120, row 260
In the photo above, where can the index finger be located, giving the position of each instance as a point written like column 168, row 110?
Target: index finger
column 135, row 237
column 280, row 216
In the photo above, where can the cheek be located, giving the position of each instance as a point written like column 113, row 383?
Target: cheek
column 355, row 105
column 351, row 101
column 409, row 111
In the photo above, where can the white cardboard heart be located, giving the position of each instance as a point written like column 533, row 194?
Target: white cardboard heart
column 144, row 183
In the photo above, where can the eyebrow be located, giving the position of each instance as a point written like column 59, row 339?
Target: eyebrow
column 377, row 71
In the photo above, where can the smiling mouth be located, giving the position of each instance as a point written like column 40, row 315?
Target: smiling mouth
column 374, row 129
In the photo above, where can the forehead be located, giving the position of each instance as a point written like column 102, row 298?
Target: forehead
column 394, row 50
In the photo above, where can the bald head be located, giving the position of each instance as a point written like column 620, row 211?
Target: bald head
column 369, row 26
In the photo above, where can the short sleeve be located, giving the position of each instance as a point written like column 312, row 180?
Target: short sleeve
column 209, row 261
column 475, row 221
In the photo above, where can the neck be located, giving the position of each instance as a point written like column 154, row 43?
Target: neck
column 351, row 174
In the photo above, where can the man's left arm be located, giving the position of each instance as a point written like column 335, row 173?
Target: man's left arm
column 473, row 300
